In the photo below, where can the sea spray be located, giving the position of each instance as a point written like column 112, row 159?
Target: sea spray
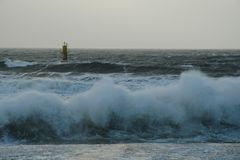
column 194, row 105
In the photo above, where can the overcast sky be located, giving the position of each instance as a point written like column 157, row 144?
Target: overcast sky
column 163, row 24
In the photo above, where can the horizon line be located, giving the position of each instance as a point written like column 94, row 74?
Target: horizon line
column 93, row 48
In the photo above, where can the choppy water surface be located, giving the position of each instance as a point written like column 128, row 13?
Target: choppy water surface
column 119, row 96
column 144, row 62
column 163, row 151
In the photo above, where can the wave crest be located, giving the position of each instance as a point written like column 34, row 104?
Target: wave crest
column 17, row 63
column 194, row 105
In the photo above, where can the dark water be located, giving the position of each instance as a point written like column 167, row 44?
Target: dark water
column 212, row 62
column 113, row 96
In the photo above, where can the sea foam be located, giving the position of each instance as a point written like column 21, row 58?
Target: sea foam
column 194, row 105
column 17, row 63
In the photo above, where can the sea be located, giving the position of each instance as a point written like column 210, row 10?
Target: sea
column 119, row 104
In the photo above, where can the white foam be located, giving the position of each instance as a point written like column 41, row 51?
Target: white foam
column 187, row 66
column 17, row 63
column 187, row 102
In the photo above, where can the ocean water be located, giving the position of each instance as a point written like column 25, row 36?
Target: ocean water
column 140, row 151
column 155, row 99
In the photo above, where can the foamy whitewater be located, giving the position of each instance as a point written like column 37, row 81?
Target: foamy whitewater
column 119, row 96
column 16, row 63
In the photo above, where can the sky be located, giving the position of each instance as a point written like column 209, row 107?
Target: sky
column 156, row 24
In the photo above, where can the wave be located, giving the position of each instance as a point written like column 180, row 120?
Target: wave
column 88, row 67
column 215, row 69
column 196, row 105
column 17, row 63
column 93, row 67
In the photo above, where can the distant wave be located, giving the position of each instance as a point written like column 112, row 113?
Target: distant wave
column 91, row 67
column 104, row 67
column 107, row 67
column 196, row 105
column 17, row 63
column 97, row 67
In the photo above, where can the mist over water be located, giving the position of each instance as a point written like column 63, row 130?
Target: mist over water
column 106, row 104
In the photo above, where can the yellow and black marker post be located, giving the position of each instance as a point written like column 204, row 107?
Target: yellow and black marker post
column 65, row 51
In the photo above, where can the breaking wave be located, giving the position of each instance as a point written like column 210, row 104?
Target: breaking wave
column 194, row 106
column 17, row 63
